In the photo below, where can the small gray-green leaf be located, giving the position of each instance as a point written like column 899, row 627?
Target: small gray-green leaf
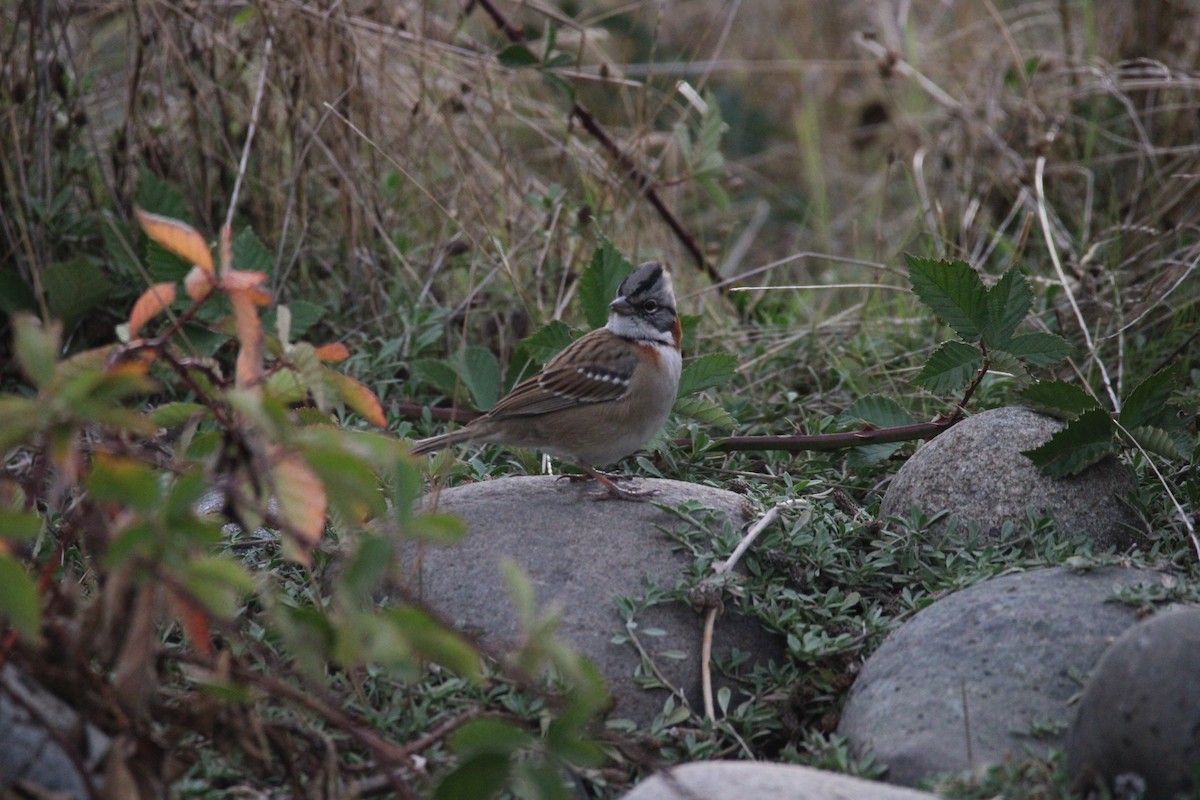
column 36, row 347
column 950, row 367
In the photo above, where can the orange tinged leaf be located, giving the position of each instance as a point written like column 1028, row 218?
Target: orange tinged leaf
column 359, row 398
column 152, row 303
column 178, row 237
column 198, row 283
column 194, row 620
column 249, row 368
column 302, row 502
column 240, row 280
column 333, row 353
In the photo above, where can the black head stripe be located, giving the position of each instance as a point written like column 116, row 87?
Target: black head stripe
column 642, row 279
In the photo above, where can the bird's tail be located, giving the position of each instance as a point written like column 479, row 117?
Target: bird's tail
column 435, row 443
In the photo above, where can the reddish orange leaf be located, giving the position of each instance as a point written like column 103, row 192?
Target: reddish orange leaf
column 178, row 237
column 360, row 398
column 152, row 303
column 249, row 369
column 302, row 502
column 194, row 620
column 333, row 353
column 239, row 280
column 198, row 283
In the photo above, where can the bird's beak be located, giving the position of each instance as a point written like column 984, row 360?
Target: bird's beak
column 621, row 306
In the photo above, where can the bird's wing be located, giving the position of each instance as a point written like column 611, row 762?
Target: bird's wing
column 596, row 368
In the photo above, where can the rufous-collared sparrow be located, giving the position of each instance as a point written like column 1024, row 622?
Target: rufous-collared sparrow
column 603, row 396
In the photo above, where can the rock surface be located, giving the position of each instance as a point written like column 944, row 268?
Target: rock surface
column 32, row 751
column 1139, row 716
column 580, row 555
column 745, row 780
column 986, row 673
column 975, row 471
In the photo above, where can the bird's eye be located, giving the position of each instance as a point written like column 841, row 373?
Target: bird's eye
column 650, row 305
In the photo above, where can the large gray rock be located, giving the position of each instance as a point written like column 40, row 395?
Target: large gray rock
column 747, row 780
column 43, row 743
column 976, row 472
column 581, row 555
column 1139, row 717
column 985, row 674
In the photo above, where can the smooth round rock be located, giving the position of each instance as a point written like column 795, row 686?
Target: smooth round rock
column 581, row 554
column 1139, row 716
column 749, row 780
column 986, row 673
column 976, row 472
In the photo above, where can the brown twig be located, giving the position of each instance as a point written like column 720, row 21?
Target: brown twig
column 796, row 443
column 639, row 177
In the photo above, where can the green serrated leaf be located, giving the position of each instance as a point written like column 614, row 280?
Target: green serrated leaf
column 1007, row 304
column 16, row 525
column 950, row 367
column 36, row 347
column 479, row 778
column 481, row 374
column 439, row 375
column 1147, row 403
column 516, row 56
column 75, row 287
column 520, row 588
column 953, row 291
column 870, row 455
column 15, row 294
column 1156, row 440
column 1086, row 440
column 539, row 780
column 489, row 735
column 170, row 415
column 249, row 253
column 429, row 638
column 19, row 599
column 1059, row 399
column 877, row 411
column 219, row 582
column 1002, row 361
column 704, row 410
column 706, row 372
column 1040, row 349
column 126, row 482
column 599, row 282
column 159, row 197
column 436, row 528
column 312, row 375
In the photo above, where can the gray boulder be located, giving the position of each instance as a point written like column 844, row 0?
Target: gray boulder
column 748, row 780
column 986, row 673
column 1138, row 721
column 43, row 743
column 581, row 555
column 976, row 472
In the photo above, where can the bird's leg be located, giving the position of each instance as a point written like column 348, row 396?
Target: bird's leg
column 590, row 474
column 612, row 491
